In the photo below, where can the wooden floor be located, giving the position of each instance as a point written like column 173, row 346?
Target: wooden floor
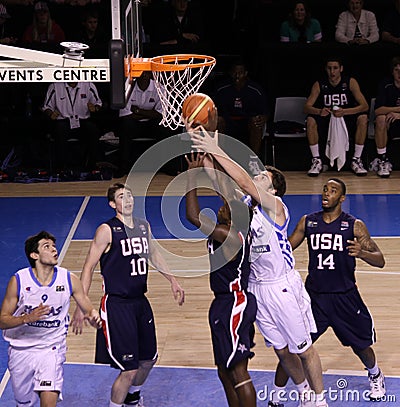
column 183, row 332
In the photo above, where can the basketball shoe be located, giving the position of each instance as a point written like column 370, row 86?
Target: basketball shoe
column 316, row 167
column 357, row 167
column 377, row 384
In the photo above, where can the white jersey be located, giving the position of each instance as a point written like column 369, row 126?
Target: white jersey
column 147, row 99
column 271, row 254
column 71, row 102
column 53, row 328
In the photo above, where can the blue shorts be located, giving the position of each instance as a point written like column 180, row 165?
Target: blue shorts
column 347, row 315
column 231, row 319
column 128, row 333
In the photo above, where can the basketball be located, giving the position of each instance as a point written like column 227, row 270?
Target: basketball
column 195, row 108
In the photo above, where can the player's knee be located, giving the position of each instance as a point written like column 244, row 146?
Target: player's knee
column 147, row 364
column 380, row 121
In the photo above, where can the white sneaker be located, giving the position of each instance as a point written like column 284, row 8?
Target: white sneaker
column 316, row 167
column 307, row 399
column 377, row 384
column 358, row 167
column 385, row 168
column 374, row 165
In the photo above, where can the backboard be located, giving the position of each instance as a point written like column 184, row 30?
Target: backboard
column 126, row 41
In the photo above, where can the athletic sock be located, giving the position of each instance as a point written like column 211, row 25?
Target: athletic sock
column 374, row 370
column 114, row 404
column 358, row 149
column 279, row 394
column 315, row 150
column 303, row 386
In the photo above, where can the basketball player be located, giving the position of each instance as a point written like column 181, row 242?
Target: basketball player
column 124, row 247
column 233, row 310
column 335, row 239
column 336, row 89
column 284, row 314
column 34, row 318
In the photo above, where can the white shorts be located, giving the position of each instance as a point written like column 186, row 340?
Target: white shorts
column 34, row 370
column 284, row 315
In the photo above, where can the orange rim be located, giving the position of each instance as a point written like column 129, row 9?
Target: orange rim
column 177, row 62
column 166, row 63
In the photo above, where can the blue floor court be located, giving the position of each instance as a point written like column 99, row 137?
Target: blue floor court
column 76, row 218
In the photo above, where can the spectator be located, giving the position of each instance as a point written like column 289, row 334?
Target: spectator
column 342, row 91
column 139, row 119
column 6, row 38
column 91, row 33
column 180, row 25
column 43, row 30
column 242, row 107
column 70, row 106
column 300, row 27
column 391, row 25
column 387, row 120
column 356, row 25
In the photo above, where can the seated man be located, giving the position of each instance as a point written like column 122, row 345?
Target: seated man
column 242, row 108
column 387, row 121
column 139, row 119
column 70, row 107
column 391, row 24
column 343, row 93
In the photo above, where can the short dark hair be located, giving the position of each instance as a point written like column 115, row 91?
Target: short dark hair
column 278, row 180
column 334, row 58
column 341, row 183
column 114, row 188
column 394, row 62
column 32, row 244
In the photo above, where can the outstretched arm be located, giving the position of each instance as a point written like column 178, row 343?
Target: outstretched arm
column 364, row 247
column 216, row 231
column 203, row 141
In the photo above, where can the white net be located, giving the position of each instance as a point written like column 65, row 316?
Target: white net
column 176, row 77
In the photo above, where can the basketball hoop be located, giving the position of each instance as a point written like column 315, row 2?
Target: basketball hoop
column 176, row 77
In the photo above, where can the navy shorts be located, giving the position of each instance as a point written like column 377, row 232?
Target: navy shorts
column 347, row 315
column 323, row 125
column 128, row 333
column 231, row 319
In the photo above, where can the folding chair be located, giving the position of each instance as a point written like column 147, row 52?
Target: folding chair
column 289, row 121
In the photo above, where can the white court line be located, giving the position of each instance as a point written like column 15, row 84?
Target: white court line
column 328, row 371
column 388, row 273
column 4, row 382
column 61, row 256
column 73, row 229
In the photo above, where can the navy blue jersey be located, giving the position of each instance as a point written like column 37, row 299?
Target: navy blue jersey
column 330, row 268
column 388, row 94
column 339, row 95
column 124, row 266
column 229, row 276
column 248, row 101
